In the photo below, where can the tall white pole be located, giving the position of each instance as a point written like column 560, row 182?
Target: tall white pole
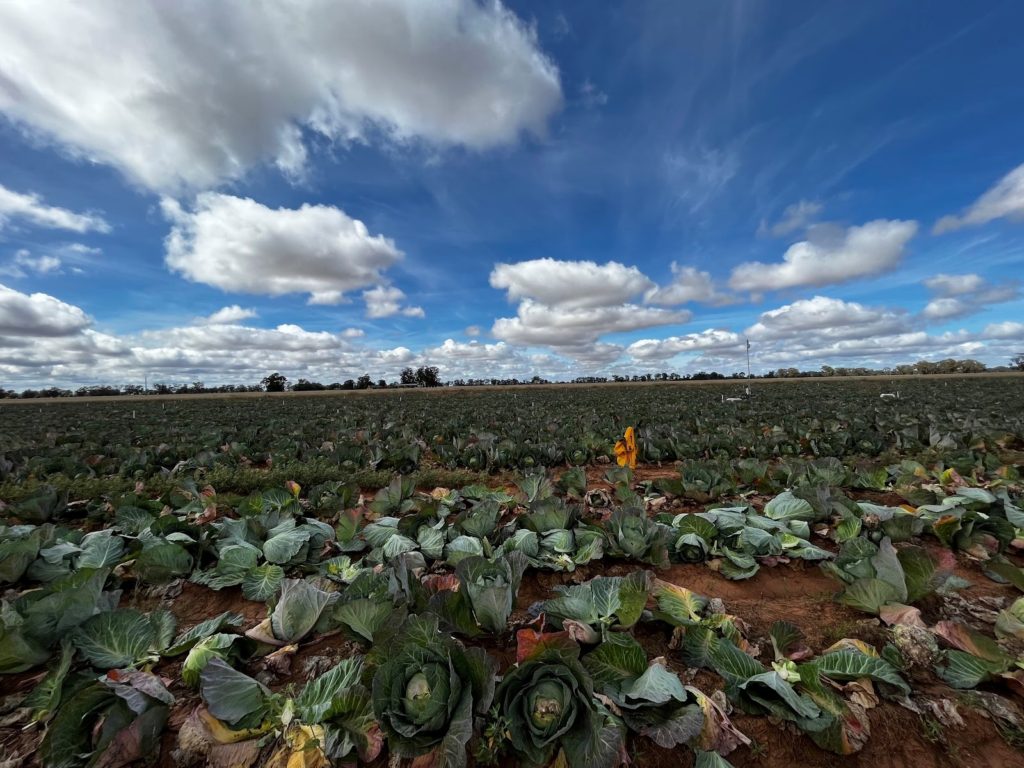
column 748, row 366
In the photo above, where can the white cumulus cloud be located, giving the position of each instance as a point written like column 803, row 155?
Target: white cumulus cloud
column 947, row 308
column 963, row 295
column 570, row 284
column 241, row 246
column 797, row 216
column 38, row 315
column 859, row 251
column 826, row 317
column 688, row 284
column 663, row 349
column 185, row 95
column 229, row 315
column 24, row 263
column 1003, row 201
column 452, row 350
column 540, row 325
column 954, row 285
column 569, row 305
column 1004, row 330
column 386, row 301
column 31, row 208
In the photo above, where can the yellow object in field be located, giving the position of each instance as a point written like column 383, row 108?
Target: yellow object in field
column 224, row 735
column 625, row 449
column 302, row 748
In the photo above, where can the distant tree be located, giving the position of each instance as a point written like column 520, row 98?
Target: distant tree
column 408, row 376
column 364, row 381
column 98, row 391
column 275, row 382
column 349, row 384
column 1018, row 362
column 303, row 385
column 428, row 376
column 382, row 384
column 49, row 392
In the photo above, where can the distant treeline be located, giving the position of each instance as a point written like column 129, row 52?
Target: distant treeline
column 428, row 376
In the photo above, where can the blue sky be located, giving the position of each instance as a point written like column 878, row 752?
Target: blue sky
column 505, row 189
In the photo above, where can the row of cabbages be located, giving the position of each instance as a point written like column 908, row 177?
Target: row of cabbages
column 574, row 691
column 965, row 421
column 429, row 568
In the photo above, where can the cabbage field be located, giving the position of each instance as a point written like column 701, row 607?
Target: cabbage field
column 580, row 577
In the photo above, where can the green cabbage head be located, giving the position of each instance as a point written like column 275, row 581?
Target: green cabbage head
column 428, row 690
column 547, row 704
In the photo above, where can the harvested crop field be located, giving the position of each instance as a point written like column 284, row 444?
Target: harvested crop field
column 814, row 575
